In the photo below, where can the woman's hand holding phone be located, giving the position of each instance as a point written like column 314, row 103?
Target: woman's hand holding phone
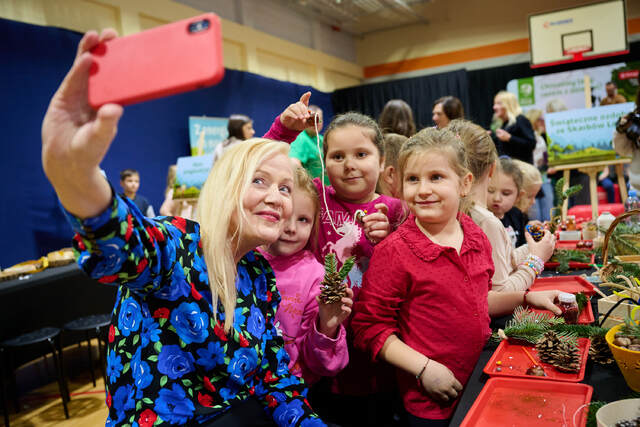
column 75, row 138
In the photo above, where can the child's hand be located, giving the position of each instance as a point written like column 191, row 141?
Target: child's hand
column 376, row 225
column 544, row 300
column 295, row 116
column 544, row 248
column 331, row 316
column 503, row 135
column 440, row 383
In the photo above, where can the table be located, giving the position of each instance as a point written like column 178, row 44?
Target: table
column 52, row 297
column 606, row 380
column 593, row 169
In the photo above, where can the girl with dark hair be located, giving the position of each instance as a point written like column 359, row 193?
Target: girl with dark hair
column 397, row 117
column 240, row 128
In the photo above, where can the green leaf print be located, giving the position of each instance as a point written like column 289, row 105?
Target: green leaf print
column 126, row 367
column 136, row 338
column 157, row 346
column 163, row 380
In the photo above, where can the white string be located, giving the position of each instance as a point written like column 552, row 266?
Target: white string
column 324, row 192
column 578, row 410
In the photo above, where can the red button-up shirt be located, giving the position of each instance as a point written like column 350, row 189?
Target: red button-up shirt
column 433, row 299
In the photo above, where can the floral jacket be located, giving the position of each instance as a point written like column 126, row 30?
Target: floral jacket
column 168, row 361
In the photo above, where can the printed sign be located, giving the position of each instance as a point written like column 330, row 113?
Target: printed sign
column 191, row 173
column 583, row 135
column 205, row 133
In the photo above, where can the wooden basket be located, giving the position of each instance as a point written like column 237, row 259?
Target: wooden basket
column 606, row 274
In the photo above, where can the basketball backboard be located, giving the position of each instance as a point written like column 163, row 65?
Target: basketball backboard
column 578, row 33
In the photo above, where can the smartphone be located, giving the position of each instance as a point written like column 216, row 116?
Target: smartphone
column 166, row 60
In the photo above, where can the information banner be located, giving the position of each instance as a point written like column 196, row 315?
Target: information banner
column 191, row 173
column 205, row 133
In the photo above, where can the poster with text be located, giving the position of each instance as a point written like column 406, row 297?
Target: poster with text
column 205, row 133
column 191, row 173
column 583, row 135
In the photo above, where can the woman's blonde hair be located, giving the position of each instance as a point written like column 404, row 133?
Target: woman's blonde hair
column 530, row 177
column 220, row 213
column 304, row 183
column 510, row 103
column 432, row 139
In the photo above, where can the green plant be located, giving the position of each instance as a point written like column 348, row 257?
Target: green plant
column 561, row 196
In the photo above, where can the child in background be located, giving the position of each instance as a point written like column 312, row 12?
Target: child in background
column 353, row 218
column 171, row 207
column 313, row 333
column 504, row 191
column 130, row 183
column 388, row 182
column 426, row 299
column 515, row 269
column 531, row 184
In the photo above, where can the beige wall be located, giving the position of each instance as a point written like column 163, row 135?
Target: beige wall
column 244, row 48
column 461, row 24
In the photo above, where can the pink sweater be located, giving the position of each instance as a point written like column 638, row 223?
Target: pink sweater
column 313, row 354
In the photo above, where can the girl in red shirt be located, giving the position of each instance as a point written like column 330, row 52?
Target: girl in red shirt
column 425, row 301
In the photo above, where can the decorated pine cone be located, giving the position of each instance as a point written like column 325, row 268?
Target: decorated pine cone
column 333, row 287
column 600, row 351
column 536, row 232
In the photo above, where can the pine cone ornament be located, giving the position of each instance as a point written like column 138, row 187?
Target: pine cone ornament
column 536, row 231
column 600, row 351
column 563, row 355
column 333, row 287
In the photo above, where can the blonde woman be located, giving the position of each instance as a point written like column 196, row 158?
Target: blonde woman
column 513, row 135
column 192, row 339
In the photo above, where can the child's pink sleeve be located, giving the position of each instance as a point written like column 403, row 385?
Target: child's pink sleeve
column 321, row 355
column 278, row 132
column 384, row 290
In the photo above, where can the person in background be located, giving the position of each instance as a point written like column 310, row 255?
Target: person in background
column 531, row 185
column 388, row 183
column 511, row 131
column 544, row 199
column 304, row 150
column 240, row 128
column 627, row 144
column 613, row 97
column 446, row 109
column 503, row 192
column 130, row 183
column 397, row 117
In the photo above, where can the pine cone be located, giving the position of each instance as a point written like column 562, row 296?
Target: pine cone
column 600, row 351
column 333, row 288
column 546, row 346
column 564, row 356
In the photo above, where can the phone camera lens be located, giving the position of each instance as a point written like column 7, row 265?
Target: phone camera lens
column 198, row 26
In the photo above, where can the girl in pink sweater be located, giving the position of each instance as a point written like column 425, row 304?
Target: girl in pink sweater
column 313, row 333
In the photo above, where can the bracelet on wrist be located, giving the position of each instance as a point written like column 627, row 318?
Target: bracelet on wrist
column 524, row 298
column 419, row 375
column 535, row 263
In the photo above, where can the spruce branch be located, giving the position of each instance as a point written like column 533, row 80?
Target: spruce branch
column 346, row 267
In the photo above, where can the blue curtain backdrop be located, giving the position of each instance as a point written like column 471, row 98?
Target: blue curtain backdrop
column 33, row 61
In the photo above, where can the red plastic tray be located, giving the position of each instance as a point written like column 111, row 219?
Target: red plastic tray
column 514, row 363
column 525, row 402
column 571, row 284
column 571, row 244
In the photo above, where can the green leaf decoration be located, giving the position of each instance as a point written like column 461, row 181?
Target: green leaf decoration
column 126, row 367
column 157, row 347
column 190, row 390
column 257, row 270
column 346, row 267
column 138, row 405
column 136, row 338
column 186, row 382
column 163, row 380
column 162, row 321
column 330, row 263
column 128, row 355
column 147, row 400
column 183, row 344
column 153, row 358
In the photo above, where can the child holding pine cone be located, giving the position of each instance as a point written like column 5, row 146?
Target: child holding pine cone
column 426, row 297
column 312, row 329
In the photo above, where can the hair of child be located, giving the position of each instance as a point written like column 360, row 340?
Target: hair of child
column 508, row 167
column 530, row 176
column 451, row 106
column 533, row 115
column 220, row 212
column 510, row 104
column 480, row 149
column 440, row 140
column 392, row 144
column 352, row 118
column 127, row 173
column 397, row 117
column 236, row 121
column 304, row 183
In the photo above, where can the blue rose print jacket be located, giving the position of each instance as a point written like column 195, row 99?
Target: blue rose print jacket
column 168, row 361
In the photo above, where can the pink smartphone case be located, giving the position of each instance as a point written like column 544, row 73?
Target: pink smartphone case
column 159, row 62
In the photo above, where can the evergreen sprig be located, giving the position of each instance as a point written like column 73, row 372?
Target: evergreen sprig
column 346, row 267
column 330, row 263
column 631, row 328
column 564, row 256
